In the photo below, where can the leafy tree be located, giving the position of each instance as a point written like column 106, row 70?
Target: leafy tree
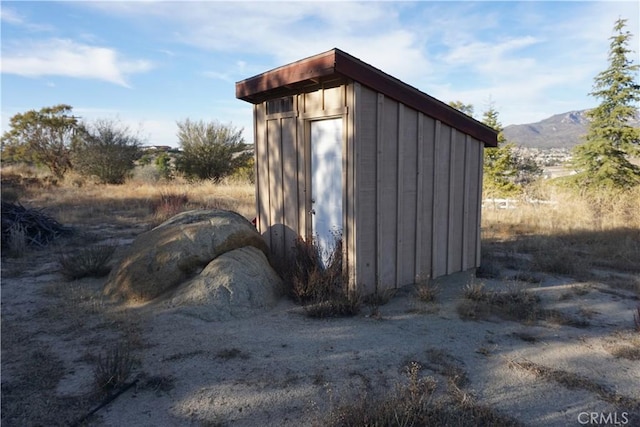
column 461, row 106
column 146, row 159
column 602, row 161
column 210, row 150
column 163, row 164
column 42, row 137
column 106, row 150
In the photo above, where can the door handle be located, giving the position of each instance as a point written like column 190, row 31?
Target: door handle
column 312, row 211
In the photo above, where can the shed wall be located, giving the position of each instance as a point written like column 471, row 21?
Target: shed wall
column 283, row 176
column 412, row 186
column 418, row 184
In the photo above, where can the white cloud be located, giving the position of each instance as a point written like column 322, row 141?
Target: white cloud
column 11, row 17
column 64, row 57
column 286, row 32
column 530, row 57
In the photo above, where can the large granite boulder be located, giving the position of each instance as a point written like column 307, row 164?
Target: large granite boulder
column 234, row 285
column 177, row 250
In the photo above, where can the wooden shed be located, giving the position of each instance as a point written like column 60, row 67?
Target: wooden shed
column 342, row 147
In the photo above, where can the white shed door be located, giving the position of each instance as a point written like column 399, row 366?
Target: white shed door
column 326, row 182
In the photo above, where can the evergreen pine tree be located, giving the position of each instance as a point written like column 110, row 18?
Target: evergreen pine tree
column 500, row 163
column 602, row 161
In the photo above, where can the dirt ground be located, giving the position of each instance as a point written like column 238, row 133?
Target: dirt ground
column 282, row 368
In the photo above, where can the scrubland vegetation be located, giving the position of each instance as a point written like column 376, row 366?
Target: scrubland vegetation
column 570, row 234
column 585, row 228
column 595, row 237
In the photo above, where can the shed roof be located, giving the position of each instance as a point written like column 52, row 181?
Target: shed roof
column 336, row 65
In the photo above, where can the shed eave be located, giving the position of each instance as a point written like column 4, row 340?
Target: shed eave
column 316, row 67
column 336, row 62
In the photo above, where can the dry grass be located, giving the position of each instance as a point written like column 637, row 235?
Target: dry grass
column 571, row 235
column 88, row 262
column 625, row 352
column 168, row 205
column 92, row 204
column 574, row 381
column 514, row 303
column 415, row 402
column 566, row 212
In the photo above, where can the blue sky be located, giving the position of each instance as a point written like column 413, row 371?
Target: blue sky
column 150, row 64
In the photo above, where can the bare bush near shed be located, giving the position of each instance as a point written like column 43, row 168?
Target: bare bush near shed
column 90, row 262
column 113, row 368
column 320, row 288
column 427, row 290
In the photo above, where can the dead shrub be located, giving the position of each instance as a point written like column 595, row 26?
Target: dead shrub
column 300, row 273
column 557, row 259
column 320, row 287
column 558, row 318
column 475, row 291
column 407, row 405
column 33, row 226
column 427, row 290
column 113, row 368
column 168, row 205
column 625, row 352
column 513, row 304
column 17, row 243
column 89, row 262
column 416, row 404
column 339, row 304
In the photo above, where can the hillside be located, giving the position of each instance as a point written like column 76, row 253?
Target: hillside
column 559, row 131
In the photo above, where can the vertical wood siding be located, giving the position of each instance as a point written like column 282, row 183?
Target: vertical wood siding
column 289, row 183
column 283, row 163
column 262, row 173
column 417, row 195
column 352, row 91
column 276, row 208
column 412, row 186
column 366, row 194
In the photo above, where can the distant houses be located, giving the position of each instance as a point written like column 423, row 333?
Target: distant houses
column 159, row 148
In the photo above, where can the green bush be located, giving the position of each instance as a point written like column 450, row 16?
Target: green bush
column 210, row 150
column 107, row 151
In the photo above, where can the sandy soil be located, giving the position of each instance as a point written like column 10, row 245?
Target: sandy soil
column 282, row 368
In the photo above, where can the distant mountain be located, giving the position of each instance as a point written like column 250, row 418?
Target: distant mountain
column 560, row 131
